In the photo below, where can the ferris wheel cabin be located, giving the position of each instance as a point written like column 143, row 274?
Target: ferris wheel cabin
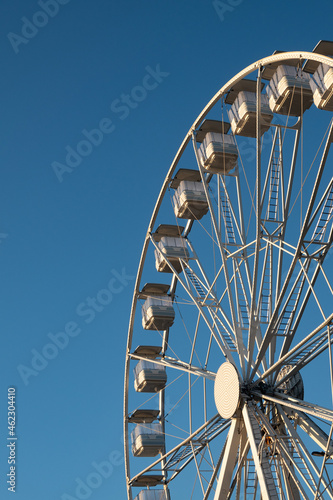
column 148, row 440
column 172, row 248
column 218, row 151
column 149, row 376
column 322, row 77
column 157, row 310
column 322, row 87
column 289, row 90
column 243, row 111
column 189, row 200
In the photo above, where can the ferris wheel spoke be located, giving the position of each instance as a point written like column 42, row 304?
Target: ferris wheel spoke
column 303, row 454
column 177, row 364
column 253, row 323
column 261, row 459
column 242, row 460
column 285, row 455
column 229, row 460
column 281, row 459
column 312, row 429
column 299, row 404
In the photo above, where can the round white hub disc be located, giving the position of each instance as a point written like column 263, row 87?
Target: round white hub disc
column 227, row 390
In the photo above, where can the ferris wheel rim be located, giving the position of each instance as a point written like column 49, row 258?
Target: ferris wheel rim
column 224, row 89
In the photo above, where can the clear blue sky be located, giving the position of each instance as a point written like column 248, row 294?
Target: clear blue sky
column 68, row 232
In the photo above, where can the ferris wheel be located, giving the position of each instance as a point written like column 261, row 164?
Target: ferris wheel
column 229, row 372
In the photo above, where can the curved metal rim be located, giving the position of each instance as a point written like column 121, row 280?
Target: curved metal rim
column 224, row 89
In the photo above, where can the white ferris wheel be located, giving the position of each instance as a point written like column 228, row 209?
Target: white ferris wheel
column 229, row 372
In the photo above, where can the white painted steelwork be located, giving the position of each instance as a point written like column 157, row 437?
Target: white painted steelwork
column 251, row 292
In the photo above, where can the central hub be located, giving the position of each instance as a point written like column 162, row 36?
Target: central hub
column 227, row 390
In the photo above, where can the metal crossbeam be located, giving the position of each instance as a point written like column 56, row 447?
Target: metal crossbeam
column 298, row 404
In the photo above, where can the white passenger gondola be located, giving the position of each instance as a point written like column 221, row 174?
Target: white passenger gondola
column 147, row 440
column 171, row 250
column 289, row 90
column 157, row 310
column 243, row 111
column 322, row 87
column 218, row 151
column 149, row 376
column 158, row 313
column 153, row 495
column 322, row 80
column 190, row 201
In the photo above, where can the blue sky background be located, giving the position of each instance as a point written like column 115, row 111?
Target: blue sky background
column 62, row 242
